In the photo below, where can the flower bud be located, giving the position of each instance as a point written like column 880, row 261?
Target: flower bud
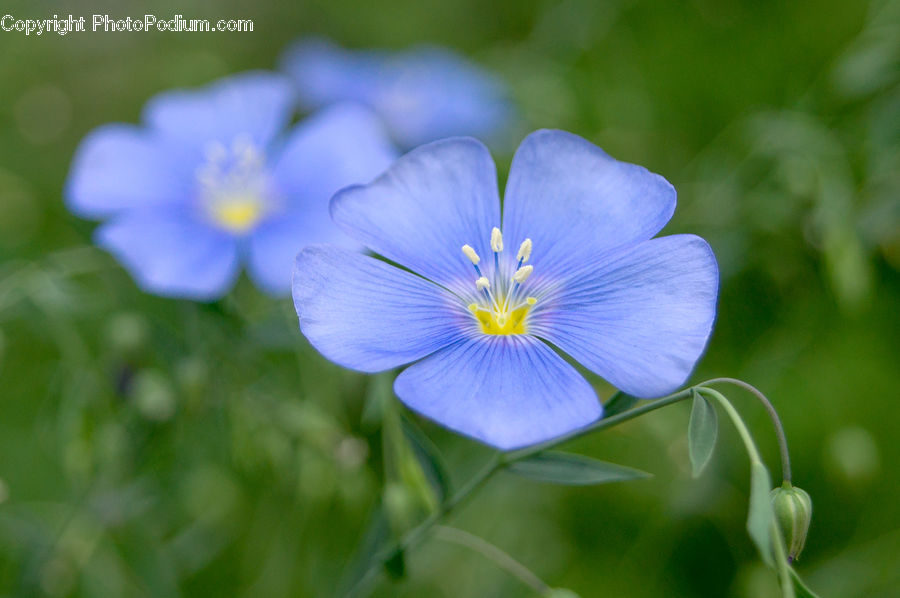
column 793, row 511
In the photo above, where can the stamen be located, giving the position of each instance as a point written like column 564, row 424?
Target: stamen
column 233, row 185
column 470, row 253
column 524, row 252
column 496, row 240
column 523, row 273
column 498, row 310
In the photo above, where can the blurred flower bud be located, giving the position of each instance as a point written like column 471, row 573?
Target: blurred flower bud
column 793, row 511
column 400, row 506
column 852, row 456
column 153, row 395
column 192, row 375
column 127, row 333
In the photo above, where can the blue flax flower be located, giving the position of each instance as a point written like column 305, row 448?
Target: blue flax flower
column 482, row 313
column 213, row 179
column 423, row 94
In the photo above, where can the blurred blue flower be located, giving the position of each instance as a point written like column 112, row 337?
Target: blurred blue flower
column 423, row 94
column 482, row 313
column 214, row 179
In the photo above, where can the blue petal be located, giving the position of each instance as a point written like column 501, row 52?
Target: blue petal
column 118, row 167
column 334, row 148
column 424, row 94
column 430, row 93
column 325, row 73
column 367, row 315
column 430, row 203
column 506, row 391
column 574, row 201
column 170, row 254
column 254, row 105
column 640, row 317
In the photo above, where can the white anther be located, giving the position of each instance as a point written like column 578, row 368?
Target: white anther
column 470, row 253
column 496, row 240
column 524, row 251
column 523, row 273
column 483, row 283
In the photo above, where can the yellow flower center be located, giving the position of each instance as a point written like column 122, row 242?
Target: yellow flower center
column 237, row 214
column 493, row 321
column 502, row 307
column 233, row 186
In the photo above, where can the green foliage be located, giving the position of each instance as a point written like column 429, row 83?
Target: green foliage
column 151, row 447
column 801, row 588
column 760, row 519
column 572, row 470
column 703, row 429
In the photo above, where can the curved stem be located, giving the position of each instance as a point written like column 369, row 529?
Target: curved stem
column 739, row 424
column 773, row 414
column 497, row 462
column 787, row 587
column 600, row 424
column 493, row 553
column 500, row 460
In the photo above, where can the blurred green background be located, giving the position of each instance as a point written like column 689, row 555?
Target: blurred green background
column 151, row 447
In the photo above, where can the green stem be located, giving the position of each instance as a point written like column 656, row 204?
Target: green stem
column 492, row 553
column 773, row 415
column 600, row 424
column 781, row 563
column 500, row 460
column 735, row 417
column 497, row 462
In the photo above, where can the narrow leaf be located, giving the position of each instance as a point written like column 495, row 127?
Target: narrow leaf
column 429, row 459
column 572, row 470
column 618, row 403
column 373, row 540
column 702, row 432
column 801, row 588
column 761, row 518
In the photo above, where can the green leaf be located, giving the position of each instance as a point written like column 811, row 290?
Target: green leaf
column 618, row 403
column 429, row 459
column 702, row 432
column 761, row 519
column 572, row 470
column 801, row 588
column 374, row 539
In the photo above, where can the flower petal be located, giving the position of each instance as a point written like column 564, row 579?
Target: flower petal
column 170, row 254
column 506, row 391
column 423, row 94
column 119, row 167
column 430, row 203
column 641, row 318
column 429, row 93
column 325, row 73
column 367, row 315
column 336, row 147
column 574, row 201
column 255, row 105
